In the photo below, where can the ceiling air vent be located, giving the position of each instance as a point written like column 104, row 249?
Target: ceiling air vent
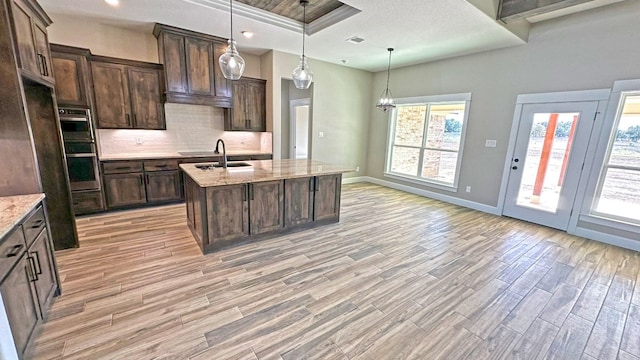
column 355, row 40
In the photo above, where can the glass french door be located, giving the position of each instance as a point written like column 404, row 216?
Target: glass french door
column 547, row 161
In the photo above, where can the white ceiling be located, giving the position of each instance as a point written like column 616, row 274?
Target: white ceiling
column 419, row 30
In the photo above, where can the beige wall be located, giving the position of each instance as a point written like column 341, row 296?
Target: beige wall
column 584, row 51
column 341, row 110
column 122, row 42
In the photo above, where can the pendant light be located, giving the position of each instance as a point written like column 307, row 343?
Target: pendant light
column 231, row 63
column 302, row 75
column 386, row 102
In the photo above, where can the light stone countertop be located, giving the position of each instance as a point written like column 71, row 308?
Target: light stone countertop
column 177, row 155
column 14, row 208
column 264, row 170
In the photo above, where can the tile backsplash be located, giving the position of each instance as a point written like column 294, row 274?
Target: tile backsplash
column 189, row 128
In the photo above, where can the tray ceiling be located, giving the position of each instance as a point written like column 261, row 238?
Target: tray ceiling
column 293, row 10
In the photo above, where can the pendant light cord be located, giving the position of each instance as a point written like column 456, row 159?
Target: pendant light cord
column 389, row 68
column 304, row 25
column 231, row 14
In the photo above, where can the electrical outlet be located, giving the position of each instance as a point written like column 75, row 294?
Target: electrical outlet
column 321, row 134
column 139, row 140
column 468, row 189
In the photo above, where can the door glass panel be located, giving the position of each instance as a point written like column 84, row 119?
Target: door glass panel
column 546, row 160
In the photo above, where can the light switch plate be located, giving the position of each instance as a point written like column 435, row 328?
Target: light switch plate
column 321, row 134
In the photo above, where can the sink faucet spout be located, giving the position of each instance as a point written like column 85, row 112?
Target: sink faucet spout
column 224, row 152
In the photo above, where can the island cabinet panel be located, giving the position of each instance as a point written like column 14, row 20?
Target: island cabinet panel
column 327, row 197
column 21, row 301
column 163, row 185
column 266, row 206
column 298, row 201
column 125, row 189
column 228, row 212
column 196, row 202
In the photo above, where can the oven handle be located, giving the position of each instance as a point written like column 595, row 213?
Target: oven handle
column 82, row 155
column 78, row 119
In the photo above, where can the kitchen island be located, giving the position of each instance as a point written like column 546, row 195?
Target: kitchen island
column 260, row 199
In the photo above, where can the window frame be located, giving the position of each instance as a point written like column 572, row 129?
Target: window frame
column 605, row 164
column 391, row 132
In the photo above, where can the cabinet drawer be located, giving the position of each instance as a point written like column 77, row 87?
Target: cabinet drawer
column 160, row 165
column 117, row 167
column 11, row 249
column 87, row 201
column 262, row 157
column 34, row 225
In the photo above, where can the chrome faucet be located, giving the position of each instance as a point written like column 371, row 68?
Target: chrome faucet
column 224, row 152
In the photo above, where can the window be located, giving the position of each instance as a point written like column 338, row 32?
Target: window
column 618, row 192
column 425, row 139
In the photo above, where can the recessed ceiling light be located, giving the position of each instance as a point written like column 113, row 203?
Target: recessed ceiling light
column 247, row 34
column 355, row 40
column 113, row 2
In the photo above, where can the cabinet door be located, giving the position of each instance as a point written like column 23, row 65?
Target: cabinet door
column 124, row 189
column 45, row 282
column 20, row 303
column 266, row 206
column 147, row 110
column 298, row 201
column 326, row 203
column 228, row 212
column 163, row 186
column 174, row 63
column 239, row 111
column 223, row 86
column 42, row 51
column 255, row 106
column 111, row 95
column 200, row 66
column 25, row 39
column 69, row 70
column 85, row 202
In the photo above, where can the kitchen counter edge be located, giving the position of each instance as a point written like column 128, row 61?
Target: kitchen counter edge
column 13, row 209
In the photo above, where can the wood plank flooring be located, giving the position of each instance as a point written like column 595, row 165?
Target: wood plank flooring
column 400, row 277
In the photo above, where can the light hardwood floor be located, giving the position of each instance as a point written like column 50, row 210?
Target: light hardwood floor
column 400, row 277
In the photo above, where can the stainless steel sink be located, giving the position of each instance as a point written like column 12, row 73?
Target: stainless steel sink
column 211, row 166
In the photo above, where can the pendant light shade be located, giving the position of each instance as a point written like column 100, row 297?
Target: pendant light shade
column 302, row 74
column 386, row 102
column 231, row 63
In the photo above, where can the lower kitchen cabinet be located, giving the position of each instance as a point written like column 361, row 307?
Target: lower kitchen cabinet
column 163, row 186
column 227, row 212
column 266, row 206
column 125, row 189
column 298, row 201
column 86, row 202
column 28, row 277
column 326, row 203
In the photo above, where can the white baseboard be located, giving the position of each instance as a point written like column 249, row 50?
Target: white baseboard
column 608, row 238
column 433, row 195
column 353, row 180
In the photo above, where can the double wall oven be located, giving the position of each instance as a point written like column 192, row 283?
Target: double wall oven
column 82, row 158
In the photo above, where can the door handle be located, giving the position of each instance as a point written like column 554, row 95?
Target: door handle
column 33, row 269
column 37, row 260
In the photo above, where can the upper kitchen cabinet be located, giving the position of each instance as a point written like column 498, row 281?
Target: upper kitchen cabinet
column 191, row 68
column 249, row 106
column 30, row 28
column 128, row 94
column 71, row 69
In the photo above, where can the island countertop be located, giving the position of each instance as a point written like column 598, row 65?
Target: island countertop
column 14, row 208
column 264, row 170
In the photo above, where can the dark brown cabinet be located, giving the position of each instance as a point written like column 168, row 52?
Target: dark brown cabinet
column 163, row 186
column 124, row 189
column 28, row 277
column 128, row 94
column 326, row 205
column 30, row 28
column 191, row 68
column 249, row 106
column 86, row 202
column 71, row 68
column 298, row 201
column 266, row 206
column 228, row 213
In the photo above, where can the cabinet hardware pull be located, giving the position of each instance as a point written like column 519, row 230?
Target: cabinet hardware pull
column 244, row 192
column 146, row 179
column 311, row 184
column 122, row 168
column 128, row 119
column 39, row 271
column 45, row 66
column 317, row 185
column 162, row 166
column 16, row 250
column 251, row 192
column 135, row 120
column 33, row 269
